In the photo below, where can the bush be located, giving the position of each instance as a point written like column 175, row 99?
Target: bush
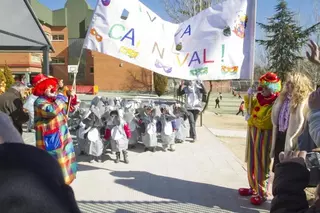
column 8, row 76
column 160, row 83
column 2, row 82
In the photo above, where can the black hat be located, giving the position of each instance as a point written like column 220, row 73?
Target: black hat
column 31, row 181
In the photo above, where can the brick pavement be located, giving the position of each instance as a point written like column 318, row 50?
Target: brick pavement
column 200, row 177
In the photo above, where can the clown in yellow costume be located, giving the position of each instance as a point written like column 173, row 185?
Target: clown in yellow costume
column 259, row 138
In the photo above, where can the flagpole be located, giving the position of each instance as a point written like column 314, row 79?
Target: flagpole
column 252, row 50
column 74, row 84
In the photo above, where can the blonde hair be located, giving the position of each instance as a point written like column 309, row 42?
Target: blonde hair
column 302, row 87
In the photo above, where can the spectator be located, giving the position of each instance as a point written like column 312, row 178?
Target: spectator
column 51, row 126
column 241, row 108
column 217, row 103
column 11, row 104
column 194, row 93
column 220, row 95
column 288, row 114
column 26, row 183
column 291, row 178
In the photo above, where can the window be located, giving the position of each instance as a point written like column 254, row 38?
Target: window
column 57, row 37
column 91, row 70
column 57, row 60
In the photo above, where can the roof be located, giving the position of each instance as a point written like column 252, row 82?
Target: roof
column 23, row 32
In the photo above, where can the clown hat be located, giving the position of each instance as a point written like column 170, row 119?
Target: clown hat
column 41, row 83
column 271, row 81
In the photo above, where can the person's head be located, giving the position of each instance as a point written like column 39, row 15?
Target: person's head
column 298, row 86
column 61, row 84
column 269, row 84
column 314, row 100
column 19, row 87
column 45, row 86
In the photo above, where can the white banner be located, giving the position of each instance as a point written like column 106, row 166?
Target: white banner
column 216, row 44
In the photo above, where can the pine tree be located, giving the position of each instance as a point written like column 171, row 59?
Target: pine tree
column 285, row 39
column 8, row 75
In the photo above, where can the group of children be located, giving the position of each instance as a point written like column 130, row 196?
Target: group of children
column 121, row 124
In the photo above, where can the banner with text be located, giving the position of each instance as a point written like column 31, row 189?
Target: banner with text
column 216, row 44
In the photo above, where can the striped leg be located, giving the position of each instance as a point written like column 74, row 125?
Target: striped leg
column 251, row 159
column 262, row 160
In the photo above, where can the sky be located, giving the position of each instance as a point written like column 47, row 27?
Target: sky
column 265, row 9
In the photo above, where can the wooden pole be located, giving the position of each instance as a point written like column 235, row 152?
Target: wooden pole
column 74, row 84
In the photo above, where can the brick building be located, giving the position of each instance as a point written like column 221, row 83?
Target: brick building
column 66, row 28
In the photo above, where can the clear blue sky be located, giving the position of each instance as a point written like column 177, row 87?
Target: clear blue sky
column 265, row 9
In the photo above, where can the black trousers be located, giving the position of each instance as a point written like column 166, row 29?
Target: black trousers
column 193, row 117
column 279, row 147
column 217, row 105
column 241, row 111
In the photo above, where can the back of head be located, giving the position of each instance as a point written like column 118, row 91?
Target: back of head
column 31, row 181
column 19, row 86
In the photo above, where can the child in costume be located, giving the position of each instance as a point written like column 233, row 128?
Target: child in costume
column 259, row 140
column 148, row 128
column 181, row 123
column 118, row 132
column 131, row 119
column 90, row 132
column 168, row 127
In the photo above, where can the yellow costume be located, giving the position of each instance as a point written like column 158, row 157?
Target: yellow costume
column 259, row 138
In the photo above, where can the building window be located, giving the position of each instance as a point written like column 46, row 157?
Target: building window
column 91, row 70
column 57, row 60
column 57, row 37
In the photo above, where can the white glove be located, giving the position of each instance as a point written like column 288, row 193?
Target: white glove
column 250, row 91
column 247, row 117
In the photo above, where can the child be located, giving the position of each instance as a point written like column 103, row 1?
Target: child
column 118, row 132
column 181, row 123
column 241, row 108
column 220, row 95
column 217, row 102
column 89, row 133
column 148, row 128
column 131, row 119
column 167, row 128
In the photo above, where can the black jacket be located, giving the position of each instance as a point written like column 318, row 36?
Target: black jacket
column 288, row 189
column 12, row 105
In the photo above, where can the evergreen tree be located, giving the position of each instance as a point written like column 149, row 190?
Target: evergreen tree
column 285, row 39
column 160, row 83
column 8, row 76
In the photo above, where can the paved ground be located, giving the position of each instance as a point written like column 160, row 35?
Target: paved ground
column 201, row 177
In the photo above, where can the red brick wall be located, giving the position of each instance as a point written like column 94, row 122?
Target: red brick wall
column 219, row 86
column 61, row 50
column 109, row 76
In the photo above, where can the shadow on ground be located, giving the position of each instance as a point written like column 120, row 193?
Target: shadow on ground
column 185, row 192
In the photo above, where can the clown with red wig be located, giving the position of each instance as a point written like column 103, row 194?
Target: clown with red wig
column 50, row 117
column 259, row 138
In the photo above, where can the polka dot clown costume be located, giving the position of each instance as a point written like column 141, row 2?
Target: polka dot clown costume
column 259, row 139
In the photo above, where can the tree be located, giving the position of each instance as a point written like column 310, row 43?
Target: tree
column 181, row 10
column 8, row 75
column 2, row 82
column 160, row 83
column 286, row 39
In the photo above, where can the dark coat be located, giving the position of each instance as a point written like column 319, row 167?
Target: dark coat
column 12, row 105
column 288, row 189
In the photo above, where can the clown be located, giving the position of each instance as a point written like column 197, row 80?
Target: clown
column 259, row 138
column 52, row 134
